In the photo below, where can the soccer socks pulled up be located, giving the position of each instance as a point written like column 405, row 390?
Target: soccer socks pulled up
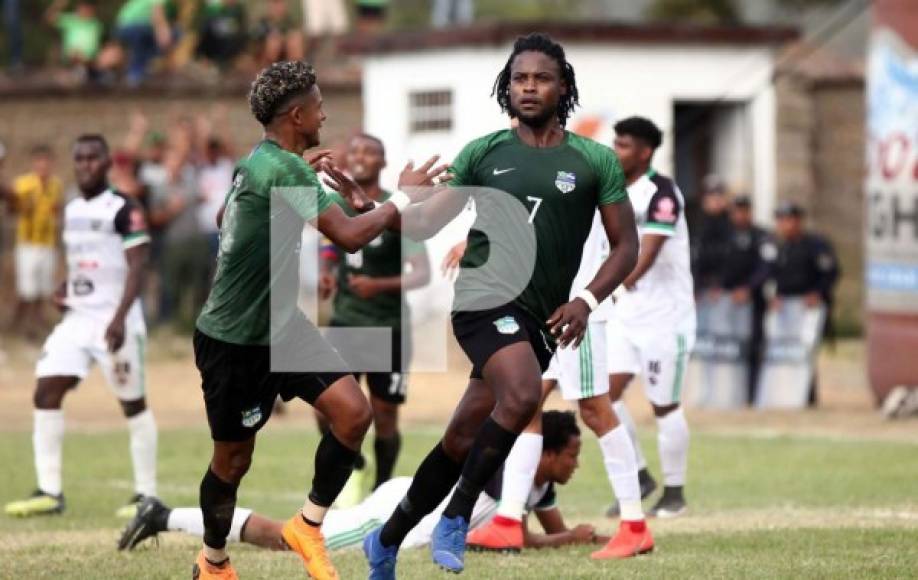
column 624, row 417
column 334, row 463
column 386, row 449
column 488, row 452
column 47, row 444
column 673, row 442
column 142, row 427
column 435, row 477
column 519, row 471
column 218, row 502
column 191, row 521
column 621, row 469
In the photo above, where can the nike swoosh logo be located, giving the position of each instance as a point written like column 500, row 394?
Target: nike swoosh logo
column 502, row 171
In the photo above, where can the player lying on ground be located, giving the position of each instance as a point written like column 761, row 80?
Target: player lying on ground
column 252, row 343
column 652, row 327
column 106, row 244
column 554, row 181
column 346, row 528
column 581, row 373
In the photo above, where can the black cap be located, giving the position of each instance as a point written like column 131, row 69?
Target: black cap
column 789, row 209
column 743, row 201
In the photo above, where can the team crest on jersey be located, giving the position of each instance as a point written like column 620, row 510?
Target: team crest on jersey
column 565, row 181
column 251, row 417
column 507, row 325
column 95, row 225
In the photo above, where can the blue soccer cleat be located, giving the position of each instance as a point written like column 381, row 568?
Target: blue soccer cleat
column 447, row 544
column 380, row 558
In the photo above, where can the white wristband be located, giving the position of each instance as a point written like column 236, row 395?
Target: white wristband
column 400, row 200
column 588, row 297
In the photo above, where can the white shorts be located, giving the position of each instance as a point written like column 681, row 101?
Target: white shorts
column 78, row 341
column 34, row 271
column 658, row 354
column 582, row 373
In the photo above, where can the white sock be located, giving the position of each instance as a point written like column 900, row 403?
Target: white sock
column 624, row 417
column 621, row 468
column 191, row 521
column 673, row 441
column 143, row 452
column 47, row 444
column 519, row 471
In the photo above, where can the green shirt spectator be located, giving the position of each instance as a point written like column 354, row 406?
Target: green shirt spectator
column 136, row 12
column 81, row 37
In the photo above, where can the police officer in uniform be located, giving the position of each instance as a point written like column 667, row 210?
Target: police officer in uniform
column 805, row 266
column 743, row 274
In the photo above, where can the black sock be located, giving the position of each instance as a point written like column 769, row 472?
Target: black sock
column 334, row 464
column 672, row 492
column 432, row 482
column 386, row 449
column 218, row 500
column 490, row 449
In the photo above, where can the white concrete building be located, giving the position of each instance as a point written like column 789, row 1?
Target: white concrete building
column 709, row 89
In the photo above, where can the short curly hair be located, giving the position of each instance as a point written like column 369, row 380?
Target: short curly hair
column 276, row 85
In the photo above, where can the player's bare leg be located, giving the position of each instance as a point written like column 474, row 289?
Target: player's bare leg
column 47, row 442
column 349, row 416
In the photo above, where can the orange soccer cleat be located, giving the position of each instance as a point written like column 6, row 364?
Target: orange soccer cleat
column 204, row 570
column 308, row 542
column 632, row 539
column 499, row 535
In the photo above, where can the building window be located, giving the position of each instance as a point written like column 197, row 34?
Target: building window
column 430, row 111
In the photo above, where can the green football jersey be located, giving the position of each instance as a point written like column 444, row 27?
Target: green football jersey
column 560, row 188
column 382, row 257
column 260, row 239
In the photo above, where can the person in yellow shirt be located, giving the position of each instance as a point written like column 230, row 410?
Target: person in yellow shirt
column 38, row 200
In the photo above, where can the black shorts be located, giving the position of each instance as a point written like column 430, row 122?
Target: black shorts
column 391, row 387
column 482, row 333
column 240, row 389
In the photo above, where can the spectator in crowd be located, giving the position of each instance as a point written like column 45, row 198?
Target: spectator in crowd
column 6, row 193
column 13, row 23
column 744, row 272
column 124, row 176
column 278, row 35
column 214, row 180
column 371, row 15
column 805, row 266
column 452, row 13
column 323, row 18
column 223, row 32
column 143, row 28
column 38, row 202
column 81, row 35
column 712, row 240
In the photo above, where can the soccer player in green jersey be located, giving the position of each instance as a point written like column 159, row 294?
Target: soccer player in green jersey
column 250, row 328
column 555, row 181
column 370, row 286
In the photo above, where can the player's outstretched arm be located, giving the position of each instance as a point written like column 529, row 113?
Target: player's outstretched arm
column 556, row 533
column 353, row 233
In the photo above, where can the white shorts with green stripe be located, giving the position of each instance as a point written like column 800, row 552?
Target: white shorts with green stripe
column 658, row 354
column 78, row 342
column 582, row 372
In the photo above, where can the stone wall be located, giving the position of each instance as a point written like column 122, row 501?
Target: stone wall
column 820, row 153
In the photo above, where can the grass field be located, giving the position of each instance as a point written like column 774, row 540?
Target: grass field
column 787, row 506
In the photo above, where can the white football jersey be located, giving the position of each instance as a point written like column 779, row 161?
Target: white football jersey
column 595, row 252
column 96, row 234
column 664, row 296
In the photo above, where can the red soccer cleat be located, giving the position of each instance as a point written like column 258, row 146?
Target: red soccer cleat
column 632, row 539
column 499, row 535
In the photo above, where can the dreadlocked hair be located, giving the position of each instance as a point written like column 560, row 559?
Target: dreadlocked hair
column 537, row 42
column 277, row 85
